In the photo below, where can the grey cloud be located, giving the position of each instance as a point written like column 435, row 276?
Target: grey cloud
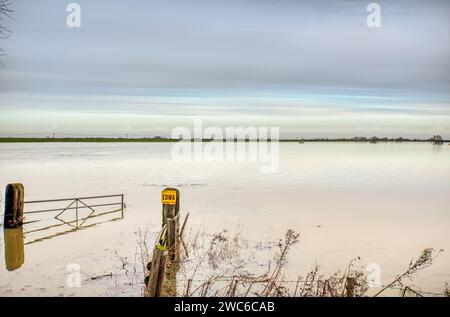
column 234, row 44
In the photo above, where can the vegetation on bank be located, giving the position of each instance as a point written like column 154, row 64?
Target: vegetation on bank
column 222, row 267
column 225, row 264
column 83, row 140
column 434, row 139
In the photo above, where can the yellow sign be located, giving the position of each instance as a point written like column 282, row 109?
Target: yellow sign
column 169, row 197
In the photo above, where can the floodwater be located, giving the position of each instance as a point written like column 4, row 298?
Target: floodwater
column 382, row 202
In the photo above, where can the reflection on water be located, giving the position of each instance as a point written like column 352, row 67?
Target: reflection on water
column 14, row 241
column 14, row 249
column 69, row 230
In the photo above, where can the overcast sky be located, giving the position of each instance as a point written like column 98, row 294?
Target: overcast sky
column 313, row 68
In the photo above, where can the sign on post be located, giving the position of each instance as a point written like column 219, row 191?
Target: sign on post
column 169, row 197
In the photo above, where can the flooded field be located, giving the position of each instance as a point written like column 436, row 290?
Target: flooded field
column 382, row 202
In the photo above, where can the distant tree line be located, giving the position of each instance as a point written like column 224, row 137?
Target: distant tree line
column 435, row 139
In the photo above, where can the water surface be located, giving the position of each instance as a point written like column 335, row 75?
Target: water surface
column 382, row 202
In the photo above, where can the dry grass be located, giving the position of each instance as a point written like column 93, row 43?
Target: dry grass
column 226, row 265
column 424, row 260
column 447, row 290
column 220, row 265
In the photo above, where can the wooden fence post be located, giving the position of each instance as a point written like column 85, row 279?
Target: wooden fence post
column 154, row 272
column 14, row 195
column 12, row 224
column 161, row 275
column 171, row 238
column 163, row 267
column 170, row 198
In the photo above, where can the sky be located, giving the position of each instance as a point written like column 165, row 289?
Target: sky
column 144, row 67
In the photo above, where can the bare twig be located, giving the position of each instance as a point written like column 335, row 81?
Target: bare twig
column 101, row 276
column 5, row 12
column 423, row 261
